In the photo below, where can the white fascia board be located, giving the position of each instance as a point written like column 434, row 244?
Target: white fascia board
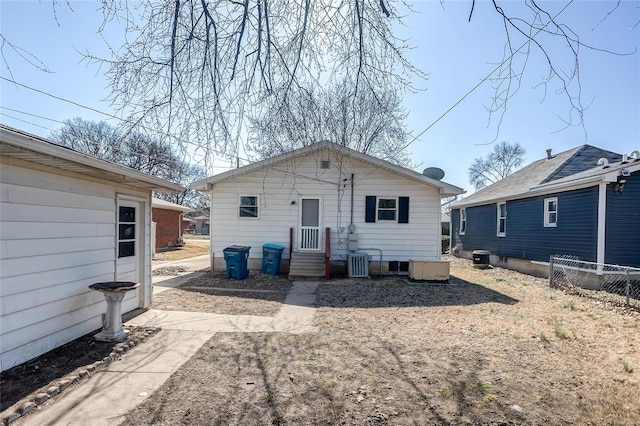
column 53, row 150
column 166, row 205
column 608, row 176
column 444, row 188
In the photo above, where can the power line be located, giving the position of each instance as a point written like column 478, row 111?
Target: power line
column 387, row 157
column 474, row 88
column 32, row 115
column 24, row 121
column 128, row 152
column 59, row 98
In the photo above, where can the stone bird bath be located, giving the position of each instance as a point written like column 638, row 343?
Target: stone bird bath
column 114, row 292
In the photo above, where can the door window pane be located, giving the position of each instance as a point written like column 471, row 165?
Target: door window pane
column 126, row 231
column 310, row 212
column 127, row 214
column 126, row 249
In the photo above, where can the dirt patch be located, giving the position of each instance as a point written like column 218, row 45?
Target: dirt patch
column 258, row 294
column 493, row 347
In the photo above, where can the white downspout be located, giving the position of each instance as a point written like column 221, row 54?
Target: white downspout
column 602, row 216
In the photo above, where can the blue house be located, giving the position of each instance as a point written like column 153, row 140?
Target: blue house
column 584, row 202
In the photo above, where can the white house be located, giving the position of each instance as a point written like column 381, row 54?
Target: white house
column 67, row 220
column 369, row 205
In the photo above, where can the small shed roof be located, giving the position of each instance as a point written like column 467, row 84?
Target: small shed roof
column 445, row 189
column 22, row 145
column 162, row 204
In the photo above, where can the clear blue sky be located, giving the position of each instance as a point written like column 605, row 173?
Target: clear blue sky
column 457, row 55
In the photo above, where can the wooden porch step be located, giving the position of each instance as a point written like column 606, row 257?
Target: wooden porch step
column 306, row 265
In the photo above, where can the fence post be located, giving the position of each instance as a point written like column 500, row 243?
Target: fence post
column 550, row 271
column 628, row 285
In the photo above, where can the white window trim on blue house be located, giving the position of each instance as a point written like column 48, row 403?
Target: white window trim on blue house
column 550, row 215
column 501, row 231
column 463, row 220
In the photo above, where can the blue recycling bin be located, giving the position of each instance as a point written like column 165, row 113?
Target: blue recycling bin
column 236, row 260
column 271, row 256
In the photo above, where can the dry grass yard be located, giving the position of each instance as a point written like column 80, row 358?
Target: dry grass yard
column 494, row 347
column 190, row 248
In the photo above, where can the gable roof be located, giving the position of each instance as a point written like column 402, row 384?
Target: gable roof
column 609, row 172
column 25, row 146
column 445, row 189
column 561, row 168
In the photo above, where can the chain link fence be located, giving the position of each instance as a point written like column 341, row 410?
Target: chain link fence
column 610, row 283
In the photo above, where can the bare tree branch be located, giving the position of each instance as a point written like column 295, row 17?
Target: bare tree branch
column 362, row 121
column 503, row 160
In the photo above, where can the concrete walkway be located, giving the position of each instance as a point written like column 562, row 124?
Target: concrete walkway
column 105, row 398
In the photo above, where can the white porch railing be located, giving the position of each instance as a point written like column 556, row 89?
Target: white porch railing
column 309, row 238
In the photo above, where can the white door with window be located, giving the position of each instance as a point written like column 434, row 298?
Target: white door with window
column 129, row 248
column 309, row 235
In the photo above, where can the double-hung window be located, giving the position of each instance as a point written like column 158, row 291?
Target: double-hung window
column 502, row 219
column 551, row 212
column 387, row 208
column 463, row 221
column 248, row 206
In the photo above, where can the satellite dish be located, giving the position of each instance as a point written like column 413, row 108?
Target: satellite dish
column 433, row 173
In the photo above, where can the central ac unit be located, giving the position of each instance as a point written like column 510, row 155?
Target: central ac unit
column 358, row 265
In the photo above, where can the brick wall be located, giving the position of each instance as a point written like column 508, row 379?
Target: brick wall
column 168, row 224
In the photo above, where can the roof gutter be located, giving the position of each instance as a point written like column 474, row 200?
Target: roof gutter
column 551, row 187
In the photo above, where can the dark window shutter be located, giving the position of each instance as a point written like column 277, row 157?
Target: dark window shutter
column 370, row 214
column 403, row 210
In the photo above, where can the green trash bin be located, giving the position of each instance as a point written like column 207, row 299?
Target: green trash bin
column 271, row 256
column 236, row 260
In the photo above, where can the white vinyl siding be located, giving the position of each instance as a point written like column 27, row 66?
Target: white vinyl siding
column 281, row 186
column 57, row 236
column 551, row 212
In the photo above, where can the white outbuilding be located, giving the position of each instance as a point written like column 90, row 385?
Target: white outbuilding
column 67, row 220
